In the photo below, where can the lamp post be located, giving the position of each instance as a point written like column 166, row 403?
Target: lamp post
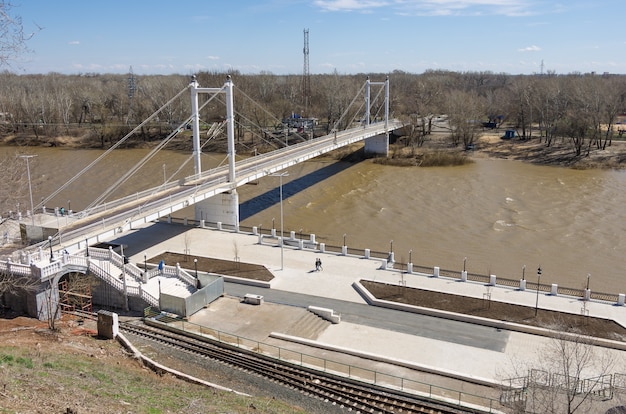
column 195, row 265
column 464, row 262
column 538, row 282
column 69, row 206
column 410, row 253
column 50, row 244
column 273, row 227
column 588, row 276
column 391, row 246
column 145, row 263
column 523, row 272
column 30, row 188
column 344, row 239
column 282, row 244
column 87, row 247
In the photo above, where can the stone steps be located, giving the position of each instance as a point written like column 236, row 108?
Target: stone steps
column 310, row 326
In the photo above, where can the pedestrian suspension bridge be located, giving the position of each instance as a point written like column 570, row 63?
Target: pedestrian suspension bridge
column 213, row 193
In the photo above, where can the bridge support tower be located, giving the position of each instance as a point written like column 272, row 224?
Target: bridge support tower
column 380, row 143
column 223, row 208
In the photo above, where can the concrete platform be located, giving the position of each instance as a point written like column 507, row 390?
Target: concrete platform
column 297, row 274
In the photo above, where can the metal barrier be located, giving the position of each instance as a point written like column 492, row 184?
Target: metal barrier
column 368, row 375
column 403, row 267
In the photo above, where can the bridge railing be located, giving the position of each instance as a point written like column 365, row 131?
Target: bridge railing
column 178, row 272
column 105, row 275
column 105, row 206
column 9, row 267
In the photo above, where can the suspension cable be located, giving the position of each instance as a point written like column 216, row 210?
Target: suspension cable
column 117, row 144
column 145, row 159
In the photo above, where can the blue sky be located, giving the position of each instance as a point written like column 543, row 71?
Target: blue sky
column 349, row 36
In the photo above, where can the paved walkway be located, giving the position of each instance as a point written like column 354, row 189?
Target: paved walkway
column 296, row 273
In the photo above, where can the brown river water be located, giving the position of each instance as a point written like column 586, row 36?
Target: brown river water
column 501, row 215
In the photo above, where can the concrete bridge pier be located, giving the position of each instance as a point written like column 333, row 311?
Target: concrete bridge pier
column 221, row 208
column 377, row 145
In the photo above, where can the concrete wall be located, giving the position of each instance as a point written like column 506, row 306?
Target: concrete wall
column 189, row 305
column 377, row 145
column 222, row 208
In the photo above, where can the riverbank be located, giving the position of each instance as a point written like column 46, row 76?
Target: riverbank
column 560, row 153
column 489, row 144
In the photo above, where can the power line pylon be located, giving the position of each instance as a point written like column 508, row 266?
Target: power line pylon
column 306, row 76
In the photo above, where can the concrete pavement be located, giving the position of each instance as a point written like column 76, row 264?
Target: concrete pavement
column 457, row 357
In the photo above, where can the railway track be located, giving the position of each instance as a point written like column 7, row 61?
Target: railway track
column 354, row 395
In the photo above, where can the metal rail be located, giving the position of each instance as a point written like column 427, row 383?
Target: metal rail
column 335, row 389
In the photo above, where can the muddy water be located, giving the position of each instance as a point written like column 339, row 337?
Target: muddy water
column 501, row 215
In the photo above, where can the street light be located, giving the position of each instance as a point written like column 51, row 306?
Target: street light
column 69, row 206
column 273, row 223
column 588, row 276
column 30, row 188
column 410, row 253
column 164, row 176
column 391, row 246
column 50, row 243
column 523, row 272
column 87, row 247
column 464, row 261
column 538, row 281
column 145, row 263
column 344, row 239
column 282, row 247
column 195, row 265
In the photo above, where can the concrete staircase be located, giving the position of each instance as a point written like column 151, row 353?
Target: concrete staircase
column 175, row 287
column 309, row 326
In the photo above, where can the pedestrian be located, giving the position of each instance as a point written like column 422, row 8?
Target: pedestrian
column 318, row 264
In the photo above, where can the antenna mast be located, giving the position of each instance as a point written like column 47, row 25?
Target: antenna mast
column 132, row 88
column 306, row 76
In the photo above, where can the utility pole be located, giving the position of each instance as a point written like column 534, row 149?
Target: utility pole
column 306, row 76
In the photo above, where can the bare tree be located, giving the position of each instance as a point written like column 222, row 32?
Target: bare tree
column 12, row 37
column 465, row 110
column 13, row 186
column 570, row 375
column 13, row 285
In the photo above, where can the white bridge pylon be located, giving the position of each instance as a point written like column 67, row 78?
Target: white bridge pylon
column 223, row 207
column 227, row 89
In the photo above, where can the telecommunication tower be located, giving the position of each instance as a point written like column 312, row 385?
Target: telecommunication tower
column 306, row 76
column 132, row 88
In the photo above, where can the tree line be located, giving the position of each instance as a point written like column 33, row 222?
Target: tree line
column 582, row 109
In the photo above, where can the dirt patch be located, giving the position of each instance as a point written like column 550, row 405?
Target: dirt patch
column 560, row 153
column 485, row 308
column 212, row 265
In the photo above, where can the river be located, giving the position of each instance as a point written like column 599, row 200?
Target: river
column 500, row 215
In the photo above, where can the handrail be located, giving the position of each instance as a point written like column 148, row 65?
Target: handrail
column 462, row 398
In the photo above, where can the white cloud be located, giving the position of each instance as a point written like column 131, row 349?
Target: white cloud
column 432, row 7
column 74, row 42
column 532, row 48
column 213, row 57
column 349, row 5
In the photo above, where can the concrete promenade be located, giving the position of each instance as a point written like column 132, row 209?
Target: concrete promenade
column 297, row 274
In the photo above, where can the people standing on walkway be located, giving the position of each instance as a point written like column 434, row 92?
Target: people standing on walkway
column 318, row 264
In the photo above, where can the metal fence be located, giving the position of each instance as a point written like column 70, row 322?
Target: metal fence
column 403, row 267
column 351, row 371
